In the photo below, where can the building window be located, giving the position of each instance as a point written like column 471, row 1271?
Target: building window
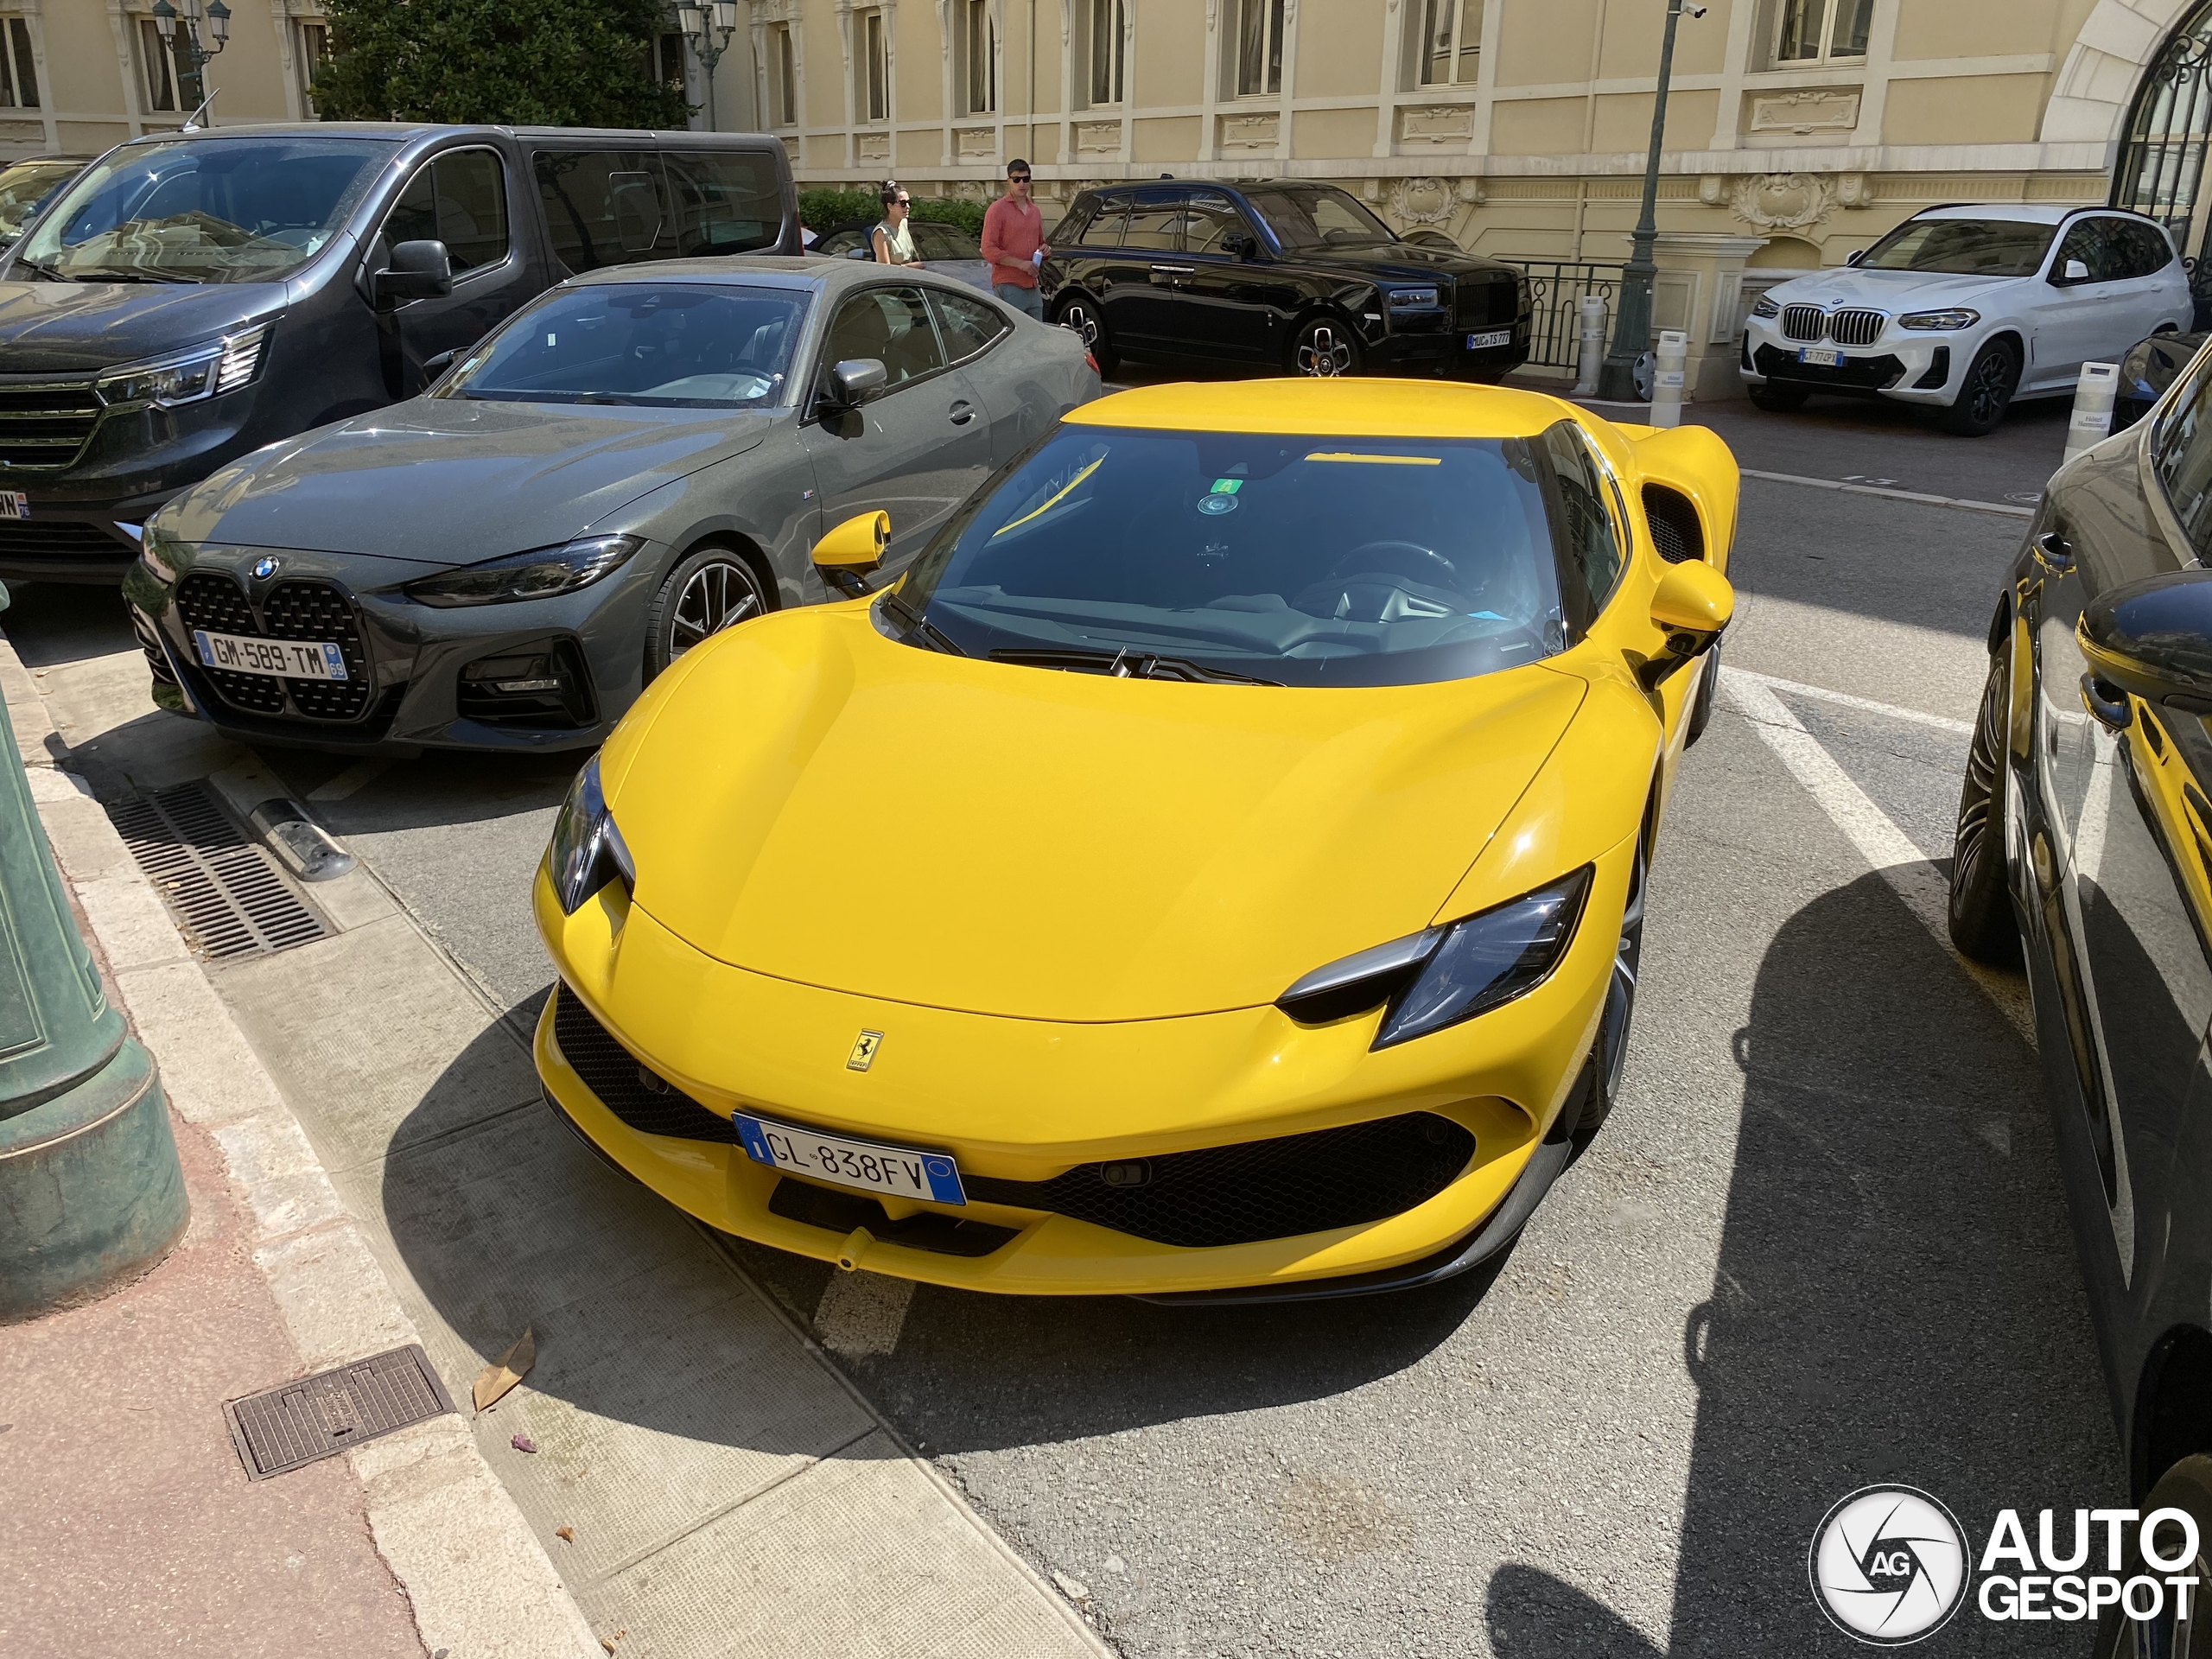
column 18, row 75
column 783, row 77
column 1450, row 41
column 1259, row 47
column 874, row 66
column 160, row 71
column 1821, row 31
column 1108, row 28
column 668, row 62
column 979, row 41
column 310, row 51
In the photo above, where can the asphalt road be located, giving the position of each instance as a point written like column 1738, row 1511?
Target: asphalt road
column 1822, row 1242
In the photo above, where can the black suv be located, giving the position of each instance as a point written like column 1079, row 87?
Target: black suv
column 1287, row 277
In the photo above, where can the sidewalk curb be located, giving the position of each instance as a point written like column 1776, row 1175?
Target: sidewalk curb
column 479, row 1584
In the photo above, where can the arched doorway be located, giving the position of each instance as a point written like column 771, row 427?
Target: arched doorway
column 2161, row 170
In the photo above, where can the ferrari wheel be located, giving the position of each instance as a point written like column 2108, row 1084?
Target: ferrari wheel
column 1983, row 926
column 2169, row 1633
column 1620, row 1001
column 1080, row 316
column 712, row 589
column 1325, row 349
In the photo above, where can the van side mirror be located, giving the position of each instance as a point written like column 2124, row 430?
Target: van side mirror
column 855, row 380
column 418, row 270
column 848, row 553
column 2154, row 638
column 1692, row 605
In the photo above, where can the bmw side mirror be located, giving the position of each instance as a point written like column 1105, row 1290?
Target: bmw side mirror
column 2074, row 271
column 1691, row 606
column 1854, row 256
column 2153, row 638
column 848, row 553
column 855, row 380
column 418, row 270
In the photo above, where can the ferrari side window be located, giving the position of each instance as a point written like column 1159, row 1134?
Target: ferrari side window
column 1585, row 527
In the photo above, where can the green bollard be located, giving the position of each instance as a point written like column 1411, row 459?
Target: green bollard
column 91, row 1193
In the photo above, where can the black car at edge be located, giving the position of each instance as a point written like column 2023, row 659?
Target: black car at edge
column 1284, row 277
column 2085, row 835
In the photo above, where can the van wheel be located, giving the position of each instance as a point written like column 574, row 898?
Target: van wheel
column 2188, row 1487
column 1986, row 394
column 1325, row 349
column 1080, row 317
column 711, row 589
column 1779, row 397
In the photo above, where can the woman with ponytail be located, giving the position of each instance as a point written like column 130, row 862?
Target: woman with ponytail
column 892, row 242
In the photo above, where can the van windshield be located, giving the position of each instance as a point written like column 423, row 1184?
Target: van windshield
column 200, row 210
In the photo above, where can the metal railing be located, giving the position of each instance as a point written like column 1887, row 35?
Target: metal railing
column 1556, row 287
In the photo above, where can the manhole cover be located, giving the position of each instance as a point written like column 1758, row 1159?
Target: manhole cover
column 334, row 1411
column 225, row 892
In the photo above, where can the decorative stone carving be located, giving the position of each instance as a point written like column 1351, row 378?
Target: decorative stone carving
column 1421, row 201
column 872, row 146
column 1712, row 189
column 1784, row 201
column 1255, row 131
column 975, row 143
column 1436, row 123
column 1098, row 137
column 1805, row 111
column 1471, row 191
column 1854, row 190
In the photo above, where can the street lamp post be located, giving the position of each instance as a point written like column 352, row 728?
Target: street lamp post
column 191, row 52
column 707, row 46
column 1632, row 331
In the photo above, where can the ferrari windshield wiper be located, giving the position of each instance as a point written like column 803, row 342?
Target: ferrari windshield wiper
column 920, row 627
column 1124, row 664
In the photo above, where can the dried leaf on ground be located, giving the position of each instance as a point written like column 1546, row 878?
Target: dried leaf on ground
column 503, row 1373
column 566, row 1535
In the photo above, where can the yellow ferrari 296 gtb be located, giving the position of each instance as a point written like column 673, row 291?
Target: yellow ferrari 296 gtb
column 1215, row 867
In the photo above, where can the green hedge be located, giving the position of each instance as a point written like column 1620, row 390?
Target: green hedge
column 820, row 209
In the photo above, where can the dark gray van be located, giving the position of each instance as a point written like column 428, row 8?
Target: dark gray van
column 193, row 297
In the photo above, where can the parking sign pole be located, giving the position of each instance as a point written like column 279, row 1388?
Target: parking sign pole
column 1632, row 333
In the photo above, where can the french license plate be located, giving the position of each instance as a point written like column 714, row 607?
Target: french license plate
column 1483, row 342
column 289, row 659
column 1820, row 356
column 13, row 504
column 869, row 1166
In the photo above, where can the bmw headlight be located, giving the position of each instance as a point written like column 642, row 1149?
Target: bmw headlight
column 539, row 574
column 187, row 376
column 1947, row 321
column 588, row 850
column 163, row 553
column 1412, row 298
column 1446, row 974
column 1763, row 307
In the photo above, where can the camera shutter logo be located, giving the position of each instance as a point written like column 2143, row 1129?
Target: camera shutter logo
column 1888, row 1565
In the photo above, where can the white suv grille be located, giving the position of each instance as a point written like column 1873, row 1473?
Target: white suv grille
column 1803, row 323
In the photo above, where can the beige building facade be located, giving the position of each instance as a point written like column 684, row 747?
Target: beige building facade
column 1806, row 128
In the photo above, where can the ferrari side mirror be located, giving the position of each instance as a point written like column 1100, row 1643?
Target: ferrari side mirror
column 848, row 553
column 2154, row 638
column 1691, row 606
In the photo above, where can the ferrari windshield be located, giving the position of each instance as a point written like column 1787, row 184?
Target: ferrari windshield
column 1966, row 247
column 674, row 345
column 203, row 210
column 1230, row 557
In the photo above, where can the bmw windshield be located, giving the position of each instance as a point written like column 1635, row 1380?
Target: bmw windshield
column 1232, row 557
column 202, row 210
column 1965, row 247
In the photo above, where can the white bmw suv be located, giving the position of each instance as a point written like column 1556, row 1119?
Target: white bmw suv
column 1965, row 309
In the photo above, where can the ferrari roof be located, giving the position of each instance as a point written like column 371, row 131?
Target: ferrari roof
column 1361, row 409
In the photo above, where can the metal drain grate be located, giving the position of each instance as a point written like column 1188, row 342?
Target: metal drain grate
column 226, row 892
column 334, row 1411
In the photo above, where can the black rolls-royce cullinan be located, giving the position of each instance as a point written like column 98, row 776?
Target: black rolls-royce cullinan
column 1286, row 278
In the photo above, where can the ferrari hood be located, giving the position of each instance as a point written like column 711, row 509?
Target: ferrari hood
column 813, row 801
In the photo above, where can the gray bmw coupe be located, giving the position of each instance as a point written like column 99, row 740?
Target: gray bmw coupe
column 641, row 458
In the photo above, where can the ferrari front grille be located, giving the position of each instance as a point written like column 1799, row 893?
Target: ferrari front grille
column 639, row 1095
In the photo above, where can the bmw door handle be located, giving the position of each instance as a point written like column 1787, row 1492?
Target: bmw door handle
column 963, row 412
column 2107, row 702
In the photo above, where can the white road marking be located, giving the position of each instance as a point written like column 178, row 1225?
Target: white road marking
column 862, row 1313
column 1886, row 847
column 1821, row 694
column 1848, row 488
column 354, row 777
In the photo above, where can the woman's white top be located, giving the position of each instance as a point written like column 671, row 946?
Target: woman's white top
column 901, row 241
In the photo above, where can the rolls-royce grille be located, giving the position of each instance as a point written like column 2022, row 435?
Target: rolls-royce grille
column 44, row 424
column 1489, row 302
column 1803, row 323
column 293, row 610
column 1856, row 327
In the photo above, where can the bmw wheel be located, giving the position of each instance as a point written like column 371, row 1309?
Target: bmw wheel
column 1986, row 394
column 711, row 589
column 2168, row 1633
column 1080, row 317
column 1981, row 919
column 1325, row 348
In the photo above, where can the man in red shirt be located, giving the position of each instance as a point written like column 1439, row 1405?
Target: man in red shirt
column 1014, row 243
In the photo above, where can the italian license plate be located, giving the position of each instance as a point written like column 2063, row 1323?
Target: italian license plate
column 1483, row 342
column 13, row 504
column 869, row 1166
column 1820, row 356
column 289, row 659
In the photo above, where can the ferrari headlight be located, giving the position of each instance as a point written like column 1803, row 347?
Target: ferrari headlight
column 1763, row 307
column 1946, row 322
column 1446, row 974
column 537, row 575
column 588, row 850
column 187, row 377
